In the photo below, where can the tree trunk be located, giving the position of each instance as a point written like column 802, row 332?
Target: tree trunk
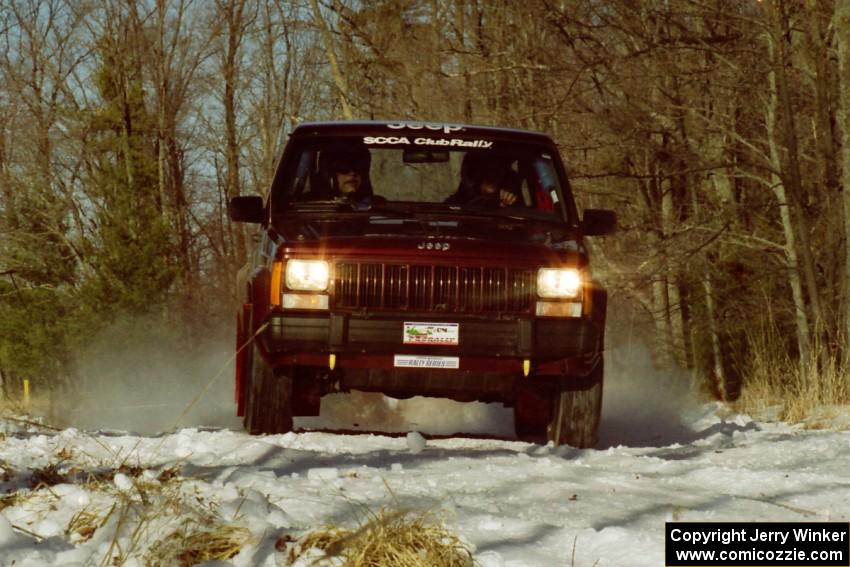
column 824, row 139
column 162, row 111
column 841, row 24
column 801, row 316
column 233, row 12
column 790, row 167
column 675, row 313
column 661, row 285
column 339, row 79
column 719, row 373
column 661, row 318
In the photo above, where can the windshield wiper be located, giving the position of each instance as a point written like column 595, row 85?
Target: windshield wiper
column 343, row 207
column 377, row 207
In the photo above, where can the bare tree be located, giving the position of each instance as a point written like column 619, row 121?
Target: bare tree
column 336, row 72
column 841, row 23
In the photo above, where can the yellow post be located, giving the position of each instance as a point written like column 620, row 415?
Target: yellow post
column 26, row 392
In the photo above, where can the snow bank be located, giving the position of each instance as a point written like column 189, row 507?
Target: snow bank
column 516, row 503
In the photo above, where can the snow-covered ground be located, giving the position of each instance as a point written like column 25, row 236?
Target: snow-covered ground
column 82, row 497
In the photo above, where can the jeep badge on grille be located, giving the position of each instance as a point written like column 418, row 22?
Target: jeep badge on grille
column 433, row 245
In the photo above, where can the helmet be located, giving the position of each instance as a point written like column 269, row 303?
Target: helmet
column 345, row 157
column 478, row 167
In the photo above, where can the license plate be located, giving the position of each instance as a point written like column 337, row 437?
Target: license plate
column 415, row 361
column 431, row 334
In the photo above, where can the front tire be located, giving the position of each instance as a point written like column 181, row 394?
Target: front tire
column 268, row 407
column 532, row 408
column 576, row 412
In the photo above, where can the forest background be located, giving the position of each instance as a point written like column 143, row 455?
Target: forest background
column 719, row 130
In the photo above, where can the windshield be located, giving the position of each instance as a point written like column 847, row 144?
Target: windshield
column 516, row 179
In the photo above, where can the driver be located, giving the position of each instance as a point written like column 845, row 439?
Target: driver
column 486, row 180
column 348, row 168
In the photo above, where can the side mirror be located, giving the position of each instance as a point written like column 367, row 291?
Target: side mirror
column 247, row 209
column 599, row 222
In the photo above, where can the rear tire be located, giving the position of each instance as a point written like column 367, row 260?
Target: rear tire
column 244, row 354
column 268, row 405
column 576, row 412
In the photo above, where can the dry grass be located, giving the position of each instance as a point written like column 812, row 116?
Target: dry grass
column 163, row 521
column 12, row 499
column 39, row 406
column 194, row 543
column 159, row 521
column 84, row 524
column 777, row 386
column 155, row 505
column 397, row 539
column 168, row 525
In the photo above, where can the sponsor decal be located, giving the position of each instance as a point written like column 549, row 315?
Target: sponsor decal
column 445, row 128
column 431, row 334
column 442, row 142
column 454, row 142
column 385, row 140
column 413, row 361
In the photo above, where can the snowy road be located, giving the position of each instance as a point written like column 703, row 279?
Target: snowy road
column 517, row 503
column 97, row 495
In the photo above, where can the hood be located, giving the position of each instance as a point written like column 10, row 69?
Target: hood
column 460, row 237
column 492, row 227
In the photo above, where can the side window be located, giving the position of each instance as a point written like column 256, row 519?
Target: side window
column 544, row 184
column 302, row 180
column 526, row 186
column 310, row 179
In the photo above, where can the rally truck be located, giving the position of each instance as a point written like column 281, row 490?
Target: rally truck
column 411, row 282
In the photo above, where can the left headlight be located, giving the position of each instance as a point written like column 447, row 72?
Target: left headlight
column 307, row 275
column 558, row 282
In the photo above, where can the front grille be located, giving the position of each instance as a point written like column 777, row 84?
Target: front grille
column 415, row 287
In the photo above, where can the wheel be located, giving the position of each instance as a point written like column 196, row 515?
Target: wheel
column 306, row 391
column 268, row 405
column 528, row 430
column 531, row 413
column 576, row 411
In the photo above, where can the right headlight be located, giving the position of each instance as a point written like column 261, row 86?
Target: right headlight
column 559, row 283
column 307, row 275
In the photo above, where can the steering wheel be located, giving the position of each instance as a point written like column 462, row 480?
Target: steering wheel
column 367, row 202
column 484, row 201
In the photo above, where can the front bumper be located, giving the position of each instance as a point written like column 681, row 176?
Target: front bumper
column 552, row 345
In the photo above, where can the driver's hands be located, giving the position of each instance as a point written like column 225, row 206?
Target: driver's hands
column 506, row 198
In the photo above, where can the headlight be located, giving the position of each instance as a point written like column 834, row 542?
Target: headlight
column 558, row 282
column 307, row 275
